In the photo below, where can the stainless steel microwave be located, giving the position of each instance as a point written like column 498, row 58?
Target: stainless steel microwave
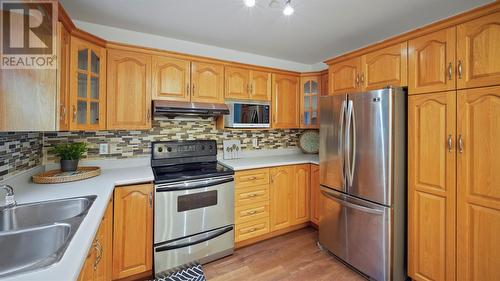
column 248, row 115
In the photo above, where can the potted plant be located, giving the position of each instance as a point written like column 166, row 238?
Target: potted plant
column 69, row 153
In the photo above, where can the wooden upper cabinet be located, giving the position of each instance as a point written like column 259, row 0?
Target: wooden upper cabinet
column 171, row 79
column 260, row 85
column 315, row 194
column 432, row 62
column 431, row 186
column 324, row 84
column 301, row 194
column 282, row 182
column 129, row 90
column 385, row 67
column 478, row 184
column 309, row 99
column 344, row 76
column 207, row 82
column 285, row 105
column 63, row 77
column 478, row 52
column 133, row 230
column 237, row 83
column 87, row 85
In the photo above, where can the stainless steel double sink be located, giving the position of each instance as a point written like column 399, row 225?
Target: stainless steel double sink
column 36, row 235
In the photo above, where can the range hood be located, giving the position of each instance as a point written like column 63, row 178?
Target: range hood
column 180, row 108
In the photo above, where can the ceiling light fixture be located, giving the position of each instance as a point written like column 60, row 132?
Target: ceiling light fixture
column 249, row 3
column 288, row 10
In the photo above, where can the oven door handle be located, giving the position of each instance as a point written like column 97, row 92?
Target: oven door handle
column 193, row 184
column 176, row 245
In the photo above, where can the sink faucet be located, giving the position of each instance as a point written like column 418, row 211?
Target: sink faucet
column 9, row 197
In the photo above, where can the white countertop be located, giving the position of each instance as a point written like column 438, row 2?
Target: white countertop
column 68, row 268
column 270, row 161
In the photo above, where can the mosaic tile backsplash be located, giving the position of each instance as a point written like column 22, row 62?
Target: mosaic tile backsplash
column 19, row 152
column 126, row 144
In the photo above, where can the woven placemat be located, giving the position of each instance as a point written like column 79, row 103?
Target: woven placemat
column 58, row 176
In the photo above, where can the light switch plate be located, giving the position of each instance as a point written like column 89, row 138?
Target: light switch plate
column 103, row 148
column 232, row 149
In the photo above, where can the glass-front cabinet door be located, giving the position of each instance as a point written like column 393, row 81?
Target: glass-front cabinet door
column 88, row 84
column 309, row 93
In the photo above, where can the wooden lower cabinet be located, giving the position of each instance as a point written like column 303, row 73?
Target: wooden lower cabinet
column 301, row 194
column 431, row 186
column 281, row 188
column 98, row 264
column 133, row 230
column 478, row 184
column 315, row 198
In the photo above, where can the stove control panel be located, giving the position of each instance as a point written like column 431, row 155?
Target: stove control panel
column 183, row 149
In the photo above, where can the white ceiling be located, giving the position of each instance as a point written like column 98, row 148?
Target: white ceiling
column 318, row 30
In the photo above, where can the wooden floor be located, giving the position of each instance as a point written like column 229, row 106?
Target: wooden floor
column 293, row 256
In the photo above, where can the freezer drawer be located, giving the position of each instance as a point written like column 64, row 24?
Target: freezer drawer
column 364, row 229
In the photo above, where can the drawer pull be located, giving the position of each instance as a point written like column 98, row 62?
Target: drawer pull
column 252, row 178
column 253, row 229
column 252, row 212
column 252, row 195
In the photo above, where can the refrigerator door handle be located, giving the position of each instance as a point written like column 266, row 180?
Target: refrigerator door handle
column 347, row 140
column 342, row 201
column 352, row 162
column 341, row 139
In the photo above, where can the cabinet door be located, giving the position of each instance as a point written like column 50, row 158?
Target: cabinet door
column 432, row 62
column 207, row 82
column 285, row 107
column 87, row 271
column 237, row 83
column 386, row 67
column 64, row 49
column 132, row 230
column 478, row 52
column 344, row 76
column 281, row 196
column 301, row 194
column 260, row 85
column 104, row 246
column 87, row 86
column 431, row 186
column 478, row 184
column 309, row 94
column 315, row 197
column 129, row 90
column 324, row 84
column 171, row 79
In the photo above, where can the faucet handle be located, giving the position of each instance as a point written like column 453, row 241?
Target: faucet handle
column 9, row 197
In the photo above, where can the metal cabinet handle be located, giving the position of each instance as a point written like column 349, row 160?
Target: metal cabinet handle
column 450, row 143
column 450, row 71
column 252, row 195
column 460, row 69
column 74, row 113
column 252, row 178
column 251, row 230
column 63, row 113
column 251, row 89
column 151, row 199
column 187, row 89
column 99, row 251
column 248, row 88
column 357, row 80
column 148, row 115
column 460, row 144
column 362, row 78
column 253, row 212
column 192, row 93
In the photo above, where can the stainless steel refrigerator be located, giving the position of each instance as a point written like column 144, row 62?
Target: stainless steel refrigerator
column 362, row 176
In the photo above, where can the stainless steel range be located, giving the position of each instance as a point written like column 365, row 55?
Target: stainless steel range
column 194, row 204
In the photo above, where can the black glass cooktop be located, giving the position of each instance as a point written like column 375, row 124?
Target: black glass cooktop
column 191, row 171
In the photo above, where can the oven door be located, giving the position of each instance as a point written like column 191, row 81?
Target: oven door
column 191, row 207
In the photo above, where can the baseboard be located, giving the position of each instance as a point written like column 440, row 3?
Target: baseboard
column 270, row 235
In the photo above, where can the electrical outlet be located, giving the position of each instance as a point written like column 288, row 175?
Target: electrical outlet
column 255, row 143
column 103, row 148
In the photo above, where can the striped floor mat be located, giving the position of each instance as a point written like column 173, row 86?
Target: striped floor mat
column 188, row 272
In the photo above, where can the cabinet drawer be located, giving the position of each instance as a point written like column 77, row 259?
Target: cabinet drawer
column 252, row 177
column 251, row 212
column 251, row 229
column 249, row 195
